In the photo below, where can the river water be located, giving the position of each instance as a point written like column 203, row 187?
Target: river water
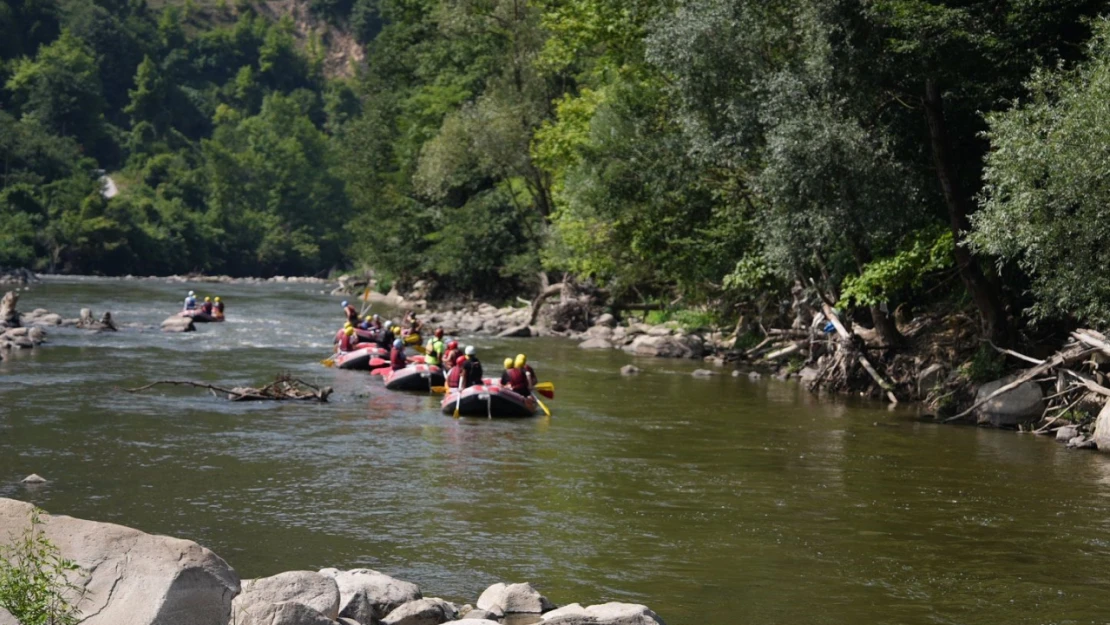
column 714, row 501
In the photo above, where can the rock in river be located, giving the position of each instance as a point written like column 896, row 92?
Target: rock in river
column 604, row 614
column 514, row 598
column 307, row 588
column 366, row 595
column 595, row 344
column 177, row 323
column 630, row 370
column 1020, row 405
column 133, row 578
column 422, row 612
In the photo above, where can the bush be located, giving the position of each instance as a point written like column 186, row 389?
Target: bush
column 33, row 583
column 986, row 366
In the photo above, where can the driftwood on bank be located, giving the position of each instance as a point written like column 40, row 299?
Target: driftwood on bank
column 283, row 388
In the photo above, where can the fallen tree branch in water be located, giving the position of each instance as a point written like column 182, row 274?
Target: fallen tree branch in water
column 283, row 388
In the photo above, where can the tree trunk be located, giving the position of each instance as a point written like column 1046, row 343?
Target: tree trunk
column 884, row 323
column 986, row 297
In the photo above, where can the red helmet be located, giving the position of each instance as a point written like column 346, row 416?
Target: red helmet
column 439, row 333
column 453, row 345
column 460, row 360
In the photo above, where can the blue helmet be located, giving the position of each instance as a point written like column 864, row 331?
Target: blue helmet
column 344, row 304
column 398, row 343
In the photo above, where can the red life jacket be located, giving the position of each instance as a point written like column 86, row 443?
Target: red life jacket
column 220, row 307
column 206, row 308
column 518, row 381
column 397, row 359
column 453, row 377
column 352, row 314
column 451, row 356
column 345, row 343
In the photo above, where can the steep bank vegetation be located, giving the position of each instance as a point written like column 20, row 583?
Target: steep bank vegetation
column 884, row 156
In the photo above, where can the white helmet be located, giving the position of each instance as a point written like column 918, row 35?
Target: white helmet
column 191, row 293
column 469, row 350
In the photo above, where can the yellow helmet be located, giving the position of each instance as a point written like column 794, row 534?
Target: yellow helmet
column 521, row 360
column 349, row 330
column 347, row 326
column 508, row 363
column 208, row 299
column 369, row 318
column 217, row 298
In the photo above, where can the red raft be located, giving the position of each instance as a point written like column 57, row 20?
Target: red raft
column 489, row 400
column 199, row 316
column 360, row 357
column 415, row 377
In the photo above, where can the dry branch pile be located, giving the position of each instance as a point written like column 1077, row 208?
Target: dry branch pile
column 283, row 388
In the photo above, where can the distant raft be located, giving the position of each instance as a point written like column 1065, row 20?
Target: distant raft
column 199, row 316
column 415, row 377
column 489, row 400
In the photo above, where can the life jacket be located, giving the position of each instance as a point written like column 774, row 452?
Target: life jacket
column 451, row 356
column 385, row 339
column 473, row 371
column 530, row 375
column 206, row 308
column 518, row 381
column 505, row 377
column 220, row 308
column 435, row 351
column 190, row 303
column 453, row 377
column 397, row 359
column 345, row 343
column 352, row 314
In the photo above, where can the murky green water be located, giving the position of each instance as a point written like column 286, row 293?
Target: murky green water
column 714, row 501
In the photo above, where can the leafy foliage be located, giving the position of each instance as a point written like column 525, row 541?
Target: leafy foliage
column 34, row 586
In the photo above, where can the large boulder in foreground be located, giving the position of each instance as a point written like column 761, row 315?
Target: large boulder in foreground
column 1020, row 405
column 514, row 599
column 6, row 618
column 177, row 323
column 307, row 588
column 1101, row 436
column 287, row 613
column 366, row 594
column 130, row 577
column 604, row 614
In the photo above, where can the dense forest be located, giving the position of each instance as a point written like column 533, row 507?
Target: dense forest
column 885, row 154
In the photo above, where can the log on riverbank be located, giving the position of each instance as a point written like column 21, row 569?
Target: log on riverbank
column 283, row 388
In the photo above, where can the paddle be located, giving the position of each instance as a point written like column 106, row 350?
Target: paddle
column 420, row 349
column 545, row 410
column 458, row 399
column 330, row 362
column 381, row 370
column 365, row 302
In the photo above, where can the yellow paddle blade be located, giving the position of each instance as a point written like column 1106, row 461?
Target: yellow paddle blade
column 420, row 349
column 456, row 412
column 412, row 339
column 545, row 410
column 439, row 389
column 330, row 362
column 545, row 386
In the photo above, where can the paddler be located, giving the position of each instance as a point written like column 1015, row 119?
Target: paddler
column 219, row 308
column 505, row 373
column 348, row 341
column 376, row 321
column 457, row 375
column 473, row 367
column 452, row 353
column 386, row 336
column 517, row 379
column 435, row 348
column 191, row 301
column 397, row 358
column 340, row 333
column 350, row 312
column 206, row 308
column 521, row 363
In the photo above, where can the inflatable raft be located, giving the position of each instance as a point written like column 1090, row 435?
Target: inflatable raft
column 415, row 377
column 199, row 316
column 359, row 358
column 489, row 400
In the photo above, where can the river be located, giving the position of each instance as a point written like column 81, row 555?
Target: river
column 714, row 501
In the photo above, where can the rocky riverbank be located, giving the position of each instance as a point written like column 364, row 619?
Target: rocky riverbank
column 127, row 577
column 27, row 330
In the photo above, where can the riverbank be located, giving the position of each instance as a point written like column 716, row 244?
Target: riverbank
column 123, row 575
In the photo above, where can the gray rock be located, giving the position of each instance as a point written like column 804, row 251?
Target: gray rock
column 517, row 332
column 755, row 375
column 930, row 378
column 605, row 320
column 703, row 373
column 514, row 598
column 1081, row 442
column 604, row 614
column 365, row 594
column 49, row 319
column 133, row 578
column 1101, row 435
column 630, row 370
column 659, row 331
column 37, row 335
column 1021, row 405
column 595, row 344
column 474, row 621
column 6, row 618
column 309, row 588
column 9, row 316
column 1067, row 433
column 14, row 332
column 422, row 612
column 470, row 325
column 808, row 374
column 34, row 478
column 493, row 614
column 177, row 323
column 287, row 613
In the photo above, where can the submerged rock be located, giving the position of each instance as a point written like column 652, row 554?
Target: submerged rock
column 703, row 373
column 34, row 478
column 1067, row 433
column 604, row 614
column 134, row 578
column 177, row 323
column 630, row 370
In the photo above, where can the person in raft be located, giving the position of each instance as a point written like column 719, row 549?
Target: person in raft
column 349, row 340
column 339, row 334
column 206, row 307
column 452, row 354
column 435, row 348
column 397, row 358
column 518, row 378
column 521, row 363
column 219, row 308
column 191, row 301
column 456, row 377
column 505, row 373
column 375, row 322
column 472, row 367
column 386, row 336
column 350, row 312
